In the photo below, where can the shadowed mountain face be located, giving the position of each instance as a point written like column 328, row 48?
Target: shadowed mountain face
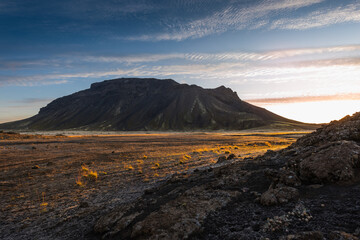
column 148, row 104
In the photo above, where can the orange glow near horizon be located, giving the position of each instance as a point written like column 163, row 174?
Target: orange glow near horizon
column 314, row 111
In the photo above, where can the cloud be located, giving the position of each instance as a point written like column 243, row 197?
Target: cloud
column 20, row 109
column 177, row 20
column 134, row 58
column 321, row 18
column 53, row 79
column 312, row 51
column 234, row 17
column 346, row 96
column 33, row 80
column 265, row 14
column 225, row 56
column 33, row 101
column 104, row 10
column 337, row 63
column 28, row 63
column 7, row 7
column 276, row 73
column 194, row 57
column 329, row 62
column 79, row 9
column 72, row 61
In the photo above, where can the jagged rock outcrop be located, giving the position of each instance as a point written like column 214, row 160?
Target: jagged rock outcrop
column 330, row 154
column 148, row 104
column 225, row 201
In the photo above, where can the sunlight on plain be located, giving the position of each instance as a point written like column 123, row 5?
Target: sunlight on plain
column 315, row 112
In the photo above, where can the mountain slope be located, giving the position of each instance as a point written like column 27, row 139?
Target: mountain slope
column 148, row 104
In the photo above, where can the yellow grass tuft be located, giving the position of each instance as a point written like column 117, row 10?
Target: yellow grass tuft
column 92, row 175
column 87, row 174
column 200, row 150
column 129, row 167
column 79, row 182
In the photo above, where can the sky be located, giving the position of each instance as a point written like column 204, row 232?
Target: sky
column 297, row 58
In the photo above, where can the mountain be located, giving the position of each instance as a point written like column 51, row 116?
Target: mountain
column 128, row 104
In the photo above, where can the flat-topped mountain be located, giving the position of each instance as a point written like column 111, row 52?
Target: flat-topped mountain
column 128, row 104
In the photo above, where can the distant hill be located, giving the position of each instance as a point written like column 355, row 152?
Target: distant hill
column 129, row 104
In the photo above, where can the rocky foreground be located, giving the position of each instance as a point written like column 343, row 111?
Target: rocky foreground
column 310, row 190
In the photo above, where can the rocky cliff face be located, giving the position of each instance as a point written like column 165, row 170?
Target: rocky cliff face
column 148, row 104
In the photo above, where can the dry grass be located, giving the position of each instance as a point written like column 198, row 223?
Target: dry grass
column 79, row 182
column 86, row 175
column 129, row 167
column 91, row 175
column 85, row 167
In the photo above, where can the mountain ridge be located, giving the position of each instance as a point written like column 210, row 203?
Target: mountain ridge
column 137, row 104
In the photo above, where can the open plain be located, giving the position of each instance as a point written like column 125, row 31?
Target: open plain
column 58, row 186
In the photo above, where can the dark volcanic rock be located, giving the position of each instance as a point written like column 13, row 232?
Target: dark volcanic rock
column 219, row 204
column 221, row 159
column 337, row 235
column 173, row 211
column 332, row 163
column 231, row 156
column 279, row 195
column 347, row 128
column 283, row 177
column 330, row 154
column 313, row 235
column 148, row 104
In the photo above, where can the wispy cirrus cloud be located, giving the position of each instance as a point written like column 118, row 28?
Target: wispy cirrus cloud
column 226, row 56
column 265, row 14
column 176, row 20
column 69, row 61
column 334, row 69
column 195, row 57
column 135, row 58
column 321, row 18
column 234, row 17
column 32, row 80
column 55, row 79
column 237, row 72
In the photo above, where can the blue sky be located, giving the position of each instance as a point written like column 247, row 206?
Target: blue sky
column 272, row 53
